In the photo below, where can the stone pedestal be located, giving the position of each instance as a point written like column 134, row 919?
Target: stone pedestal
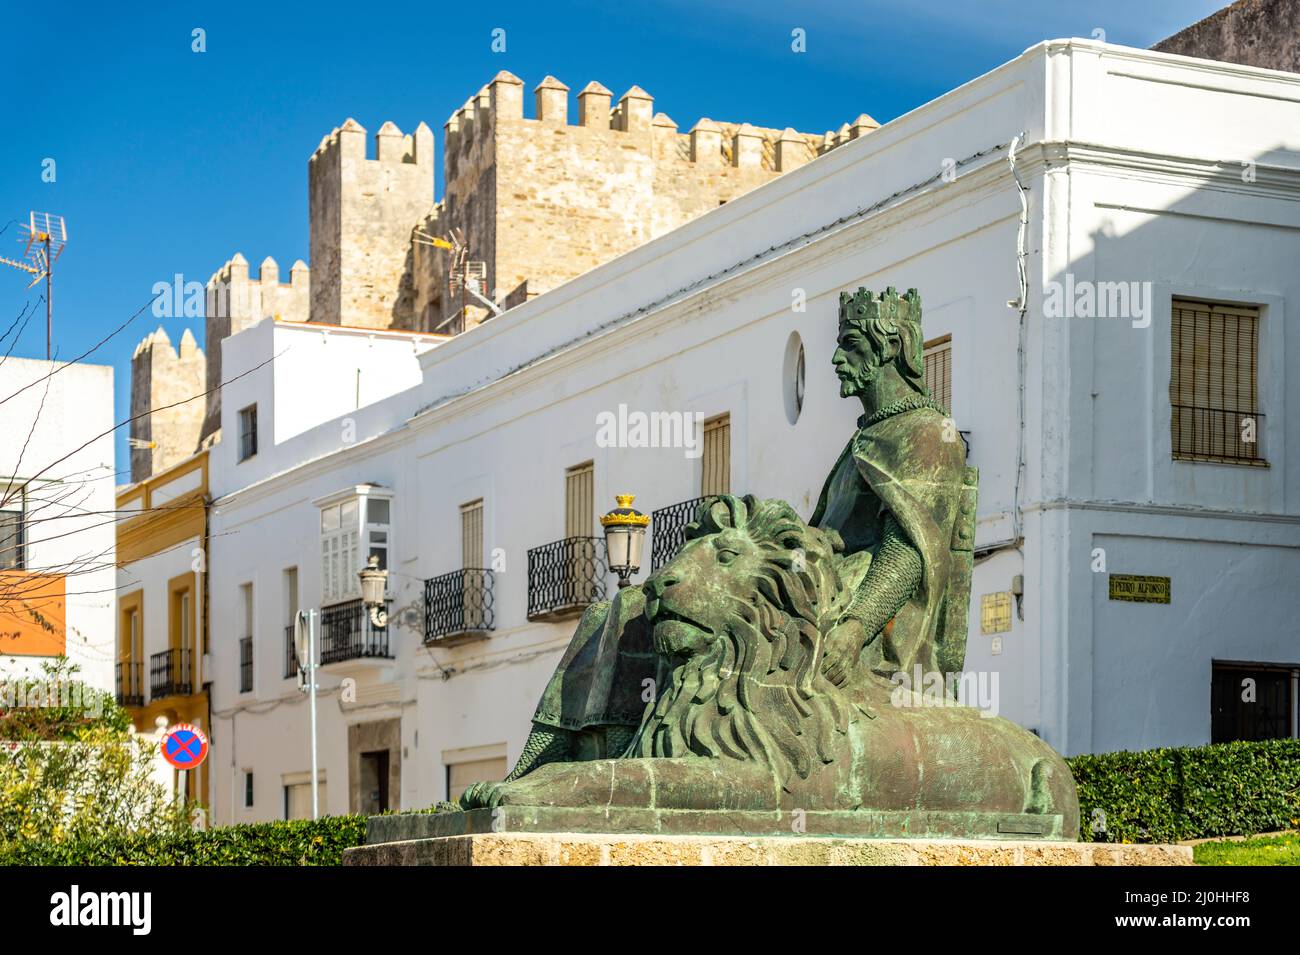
column 601, row 849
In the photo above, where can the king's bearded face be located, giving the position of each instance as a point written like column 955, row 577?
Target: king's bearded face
column 855, row 361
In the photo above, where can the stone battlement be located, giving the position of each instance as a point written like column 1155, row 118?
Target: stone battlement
column 735, row 144
column 392, row 147
column 163, row 375
column 537, row 200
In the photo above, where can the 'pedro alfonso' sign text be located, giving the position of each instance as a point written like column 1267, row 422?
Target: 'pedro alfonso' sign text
column 1138, row 588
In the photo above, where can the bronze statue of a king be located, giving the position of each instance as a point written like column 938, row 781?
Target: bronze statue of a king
column 769, row 667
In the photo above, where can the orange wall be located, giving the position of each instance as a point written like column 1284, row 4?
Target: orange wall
column 33, row 618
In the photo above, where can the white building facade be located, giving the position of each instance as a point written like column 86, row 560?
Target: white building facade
column 57, row 542
column 1138, row 540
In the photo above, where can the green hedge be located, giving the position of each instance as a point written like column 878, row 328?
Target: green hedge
column 1193, row 792
column 1159, row 795
column 301, row 842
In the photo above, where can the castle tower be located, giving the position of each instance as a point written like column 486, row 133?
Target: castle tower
column 234, row 302
column 540, row 200
column 161, row 376
column 362, row 213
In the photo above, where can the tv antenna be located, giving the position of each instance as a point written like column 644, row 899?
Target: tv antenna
column 463, row 275
column 46, row 235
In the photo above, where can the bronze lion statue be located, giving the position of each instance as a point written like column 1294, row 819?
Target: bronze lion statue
column 745, row 719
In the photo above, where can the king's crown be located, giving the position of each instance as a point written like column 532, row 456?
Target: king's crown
column 888, row 308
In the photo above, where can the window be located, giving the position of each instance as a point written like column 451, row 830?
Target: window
column 938, row 370
column 246, row 605
column 297, row 797
column 182, row 617
column 248, row 789
column 579, row 500
column 134, row 647
column 1252, row 702
column 1213, row 383
column 716, row 478
column 290, row 595
column 11, row 529
column 290, row 619
column 247, row 432
column 377, row 521
column 471, row 535
column 460, row 776
column 793, row 372
column 246, row 641
column 344, row 527
column 130, row 650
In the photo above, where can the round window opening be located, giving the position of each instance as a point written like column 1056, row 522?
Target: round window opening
column 793, row 377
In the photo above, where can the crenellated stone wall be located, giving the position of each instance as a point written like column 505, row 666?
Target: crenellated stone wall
column 540, row 200
column 537, row 200
column 162, row 375
column 362, row 211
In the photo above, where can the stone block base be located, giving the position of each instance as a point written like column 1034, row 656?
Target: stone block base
column 601, row 849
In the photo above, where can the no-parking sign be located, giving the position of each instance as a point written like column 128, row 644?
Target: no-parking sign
column 185, row 746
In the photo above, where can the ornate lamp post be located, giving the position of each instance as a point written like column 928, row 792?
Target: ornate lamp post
column 624, row 538
column 373, row 584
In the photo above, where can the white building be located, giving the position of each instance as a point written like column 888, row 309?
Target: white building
column 1144, row 455
column 57, row 542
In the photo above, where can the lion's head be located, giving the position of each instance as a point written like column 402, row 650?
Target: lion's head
column 740, row 614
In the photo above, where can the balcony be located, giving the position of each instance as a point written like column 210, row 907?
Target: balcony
column 290, row 654
column 246, row 665
column 170, row 674
column 668, row 529
column 459, row 606
column 346, row 633
column 565, row 576
column 130, row 684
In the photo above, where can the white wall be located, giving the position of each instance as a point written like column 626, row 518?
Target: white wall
column 70, row 497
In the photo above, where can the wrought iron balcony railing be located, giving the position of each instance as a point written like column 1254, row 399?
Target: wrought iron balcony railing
column 668, row 529
column 290, row 654
column 459, row 603
column 346, row 633
column 1215, row 434
column 170, row 674
column 566, row 575
column 246, row 665
column 130, row 683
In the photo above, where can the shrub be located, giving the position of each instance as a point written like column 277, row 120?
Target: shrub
column 70, row 767
column 300, row 842
column 1194, row 792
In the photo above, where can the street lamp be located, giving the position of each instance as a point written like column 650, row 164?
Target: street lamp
column 624, row 538
column 373, row 584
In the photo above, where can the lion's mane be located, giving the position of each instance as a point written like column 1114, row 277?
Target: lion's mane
column 757, row 693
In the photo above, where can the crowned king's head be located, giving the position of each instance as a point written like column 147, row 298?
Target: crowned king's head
column 891, row 324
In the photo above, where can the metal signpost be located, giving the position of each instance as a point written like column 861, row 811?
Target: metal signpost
column 304, row 644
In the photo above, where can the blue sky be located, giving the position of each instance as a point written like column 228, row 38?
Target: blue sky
column 169, row 161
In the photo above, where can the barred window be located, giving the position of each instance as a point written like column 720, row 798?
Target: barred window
column 247, row 432
column 1213, row 383
column 938, row 370
column 716, row 478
